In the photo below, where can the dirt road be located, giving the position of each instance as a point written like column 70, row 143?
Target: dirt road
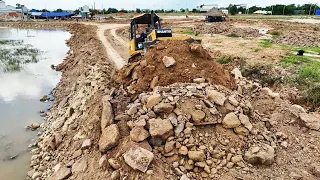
column 112, row 53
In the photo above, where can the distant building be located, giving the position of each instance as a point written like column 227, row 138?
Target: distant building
column 6, row 9
column 260, row 12
column 206, row 8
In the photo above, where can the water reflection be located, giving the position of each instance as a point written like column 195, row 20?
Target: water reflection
column 20, row 93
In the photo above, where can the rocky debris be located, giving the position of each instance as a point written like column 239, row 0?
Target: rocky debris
column 109, row 138
column 138, row 158
column 297, row 110
column 168, row 61
column 299, row 38
column 231, row 121
column 263, row 154
column 245, row 122
column 315, row 169
column 103, row 162
column 115, row 175
column 138, row 134
column 199, row 80
column 34, row 126
column 163, row 108
column 311, row 120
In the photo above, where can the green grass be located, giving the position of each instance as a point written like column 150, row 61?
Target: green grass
column 311, row 50
column 266, row 43
column 233, row 35
column 188, row 32
column 224, row 60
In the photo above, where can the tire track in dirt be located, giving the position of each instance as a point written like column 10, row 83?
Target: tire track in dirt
column 117, row 43
column 111, row 51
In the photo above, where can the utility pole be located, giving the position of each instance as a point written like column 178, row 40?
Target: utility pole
column 284, row 7
column 272, row 10
column 310, row 9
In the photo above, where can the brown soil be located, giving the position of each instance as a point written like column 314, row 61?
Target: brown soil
column 118, row 46
column 226, row 29
column 189, row 66
column 37, row 25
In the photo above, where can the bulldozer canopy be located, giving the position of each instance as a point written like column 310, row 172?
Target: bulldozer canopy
column 144, row 19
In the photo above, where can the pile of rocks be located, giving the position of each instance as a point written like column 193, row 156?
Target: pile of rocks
column 300, row 38
column 169, row 119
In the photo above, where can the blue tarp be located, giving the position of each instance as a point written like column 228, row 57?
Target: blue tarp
column 56, row 14
column 318, row 12
column 33, row 10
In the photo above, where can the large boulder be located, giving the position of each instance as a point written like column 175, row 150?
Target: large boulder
column 231, row 120
column 311, row 120
column 109, row 138
column 261, row 155
column 159, row 127
column 138, row 158
column 107, row 117
column 216, row 97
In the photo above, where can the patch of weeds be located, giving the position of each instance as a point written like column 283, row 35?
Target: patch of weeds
column 242, row 44
column 310, row 72
column 312, row 96
column 266, row 43
column 188, row 32
column 262, row 73
column 224, row 60
column 13, row 55
column 275, row 34
column 257, row 50
column 233, row 35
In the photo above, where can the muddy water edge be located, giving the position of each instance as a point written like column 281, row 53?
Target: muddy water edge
column 21, row 87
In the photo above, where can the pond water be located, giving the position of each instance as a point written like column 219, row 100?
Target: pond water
column 20, row 92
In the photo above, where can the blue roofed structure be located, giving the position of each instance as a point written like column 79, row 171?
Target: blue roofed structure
column 56, row 14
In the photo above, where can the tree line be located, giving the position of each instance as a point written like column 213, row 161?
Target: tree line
column 278, row 9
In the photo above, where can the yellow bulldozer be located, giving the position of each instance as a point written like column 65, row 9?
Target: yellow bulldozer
column 152, row 32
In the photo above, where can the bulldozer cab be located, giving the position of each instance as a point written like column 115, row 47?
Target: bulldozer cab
column 145, row 29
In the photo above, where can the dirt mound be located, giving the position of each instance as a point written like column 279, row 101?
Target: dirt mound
column 170, row 62
column 300, row 38
column 225, row 28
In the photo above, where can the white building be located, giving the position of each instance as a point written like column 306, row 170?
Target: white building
column 263, row 12
column 6, row 9
column 206, row 8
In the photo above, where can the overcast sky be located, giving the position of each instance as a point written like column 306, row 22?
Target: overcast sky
column 143, row 4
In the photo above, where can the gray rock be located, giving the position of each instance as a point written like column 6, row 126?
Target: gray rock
column 159, row 127
column 138, row 134
column 168, row 61
column 86, row 144
column 133, row 109
column 138, row 158
column 115, row 175
column 199, row 80
column 297, row 110
column 61, row 174
column 198, row 116
column 103, row 162
column 197, row 155
column 260, row 155
column 245, row 121
column 216, row 97
column 122, row 117
column 311, row 120
column 233, row 100
column 109, row 138
column 114, row 163
column 163, row 108
column 153, row 100
column 231, row 121
column 107, row 117
column 79, row 166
